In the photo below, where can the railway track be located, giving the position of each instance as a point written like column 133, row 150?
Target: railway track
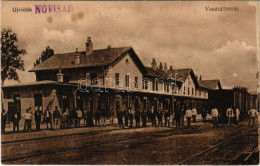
column 137, row 139
column 215, row 155
column 6, row 159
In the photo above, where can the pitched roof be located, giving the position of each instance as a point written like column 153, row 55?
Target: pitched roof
column 99, row 57
column 158, row 73
column 37, row 83
column 182, row 75
column 211, row 84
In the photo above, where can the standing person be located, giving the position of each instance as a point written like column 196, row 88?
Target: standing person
column 182, row 115
column 178, row 117
column 131, row 117
column 27, row 117
column 56, row 117
column 47, row 118
column 111, row 117
column 204, row 115
column 37, row 118
column 90, row 118
column 103, row 117
column 137, row 118
column 64, row 117
column 167, row 115
column 159, row 116
column 149, row 115
column 120, row 118
column 84, row 114
column 153, row 114
column 237, row 115
column 126, row 115
column 214, row 114
column 144, row 117
column 16, row 119
column 188, row 116
column 97, row 116
column 252, row 114
column 230, row 115
column 79, row 116
column 194, row 114
column 3, row 121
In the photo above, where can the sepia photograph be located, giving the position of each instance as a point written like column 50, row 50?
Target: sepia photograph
column 130, row 82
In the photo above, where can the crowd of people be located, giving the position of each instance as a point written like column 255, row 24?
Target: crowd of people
column 72, row 118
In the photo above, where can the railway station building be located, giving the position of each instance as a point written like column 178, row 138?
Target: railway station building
column 106, row 79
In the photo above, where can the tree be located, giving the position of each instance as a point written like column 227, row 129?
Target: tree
column 46, row 54
column 11, row 56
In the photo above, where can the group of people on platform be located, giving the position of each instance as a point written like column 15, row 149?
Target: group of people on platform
column 161, row 117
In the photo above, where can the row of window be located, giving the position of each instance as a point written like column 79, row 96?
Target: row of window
column 145, row 85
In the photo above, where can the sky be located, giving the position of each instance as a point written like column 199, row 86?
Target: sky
column 215, row 44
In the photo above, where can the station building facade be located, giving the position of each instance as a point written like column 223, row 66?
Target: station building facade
column 105, row 79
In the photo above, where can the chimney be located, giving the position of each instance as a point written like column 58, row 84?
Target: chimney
column 200, row 78
column 171, row 68
column 60, row 76
column 165, row 67
column 161, row 66
column 76, row 57
column 153, row 64
column 89, row 46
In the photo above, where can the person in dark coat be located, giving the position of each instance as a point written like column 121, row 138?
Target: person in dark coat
column 204, row 115
column 120, row 117
column 90, row 118
column 167, row 118
column 56, row 117
column 159, row 116
column 3, row 121
column 144, row 117
column 97, row 118
column 16, row 120
column 149, row 115
column 137, row 118
column 126, row 115
column 131, row 117
column 178, row 117
column 48, row 118
column 38, row 117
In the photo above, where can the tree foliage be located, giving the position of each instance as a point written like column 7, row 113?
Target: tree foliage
column 46, row 54
column 11, row 56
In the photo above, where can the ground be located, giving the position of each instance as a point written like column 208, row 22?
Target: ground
column 111, row 145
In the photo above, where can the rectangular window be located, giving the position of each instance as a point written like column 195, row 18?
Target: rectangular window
column 127, row 80
column 192, row 91
column 188, row 90
column 167, row 88
column 205, row 94
column 153, row 82
column 93, row 77
column 184, row 90
column 136, row 82
column 145, row 84
column 117, row 79
column 156, row 85
column 195, row 93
